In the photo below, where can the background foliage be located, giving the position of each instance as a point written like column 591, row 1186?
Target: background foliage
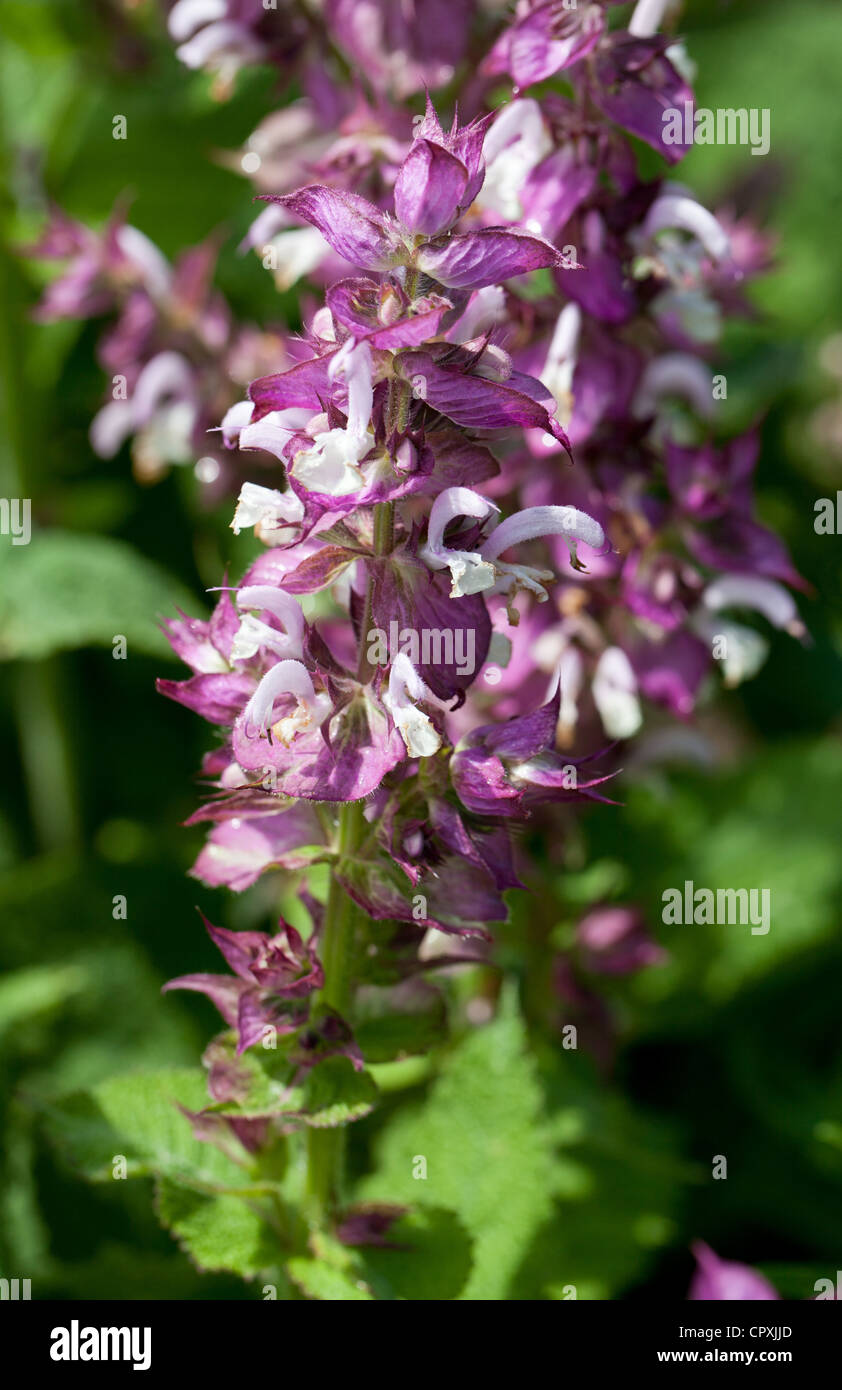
column 543, row 1170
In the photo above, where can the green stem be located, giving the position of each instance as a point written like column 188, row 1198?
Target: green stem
column 39, row 702
column 337, row 935
column 384, row 537
column 326, row 1147
column 384, row 527
column 45, row 752
column 411, row 279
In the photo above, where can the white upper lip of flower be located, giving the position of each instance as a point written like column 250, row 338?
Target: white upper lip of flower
column 265, row 506
column 677, row 209
column 274, row 431
column 570, row 676
column 235, row 420
column 287, row 678
column 486, row 308
column 186, row 16
column 470, row 572
column 415, row 727
column 557, row 374
column 745, row 650
column 474, row 571
column 330, row 466
column 614, row 689
column 676, row 373
column 515, row 142
column 299, row 250
column 527, row 525
column 137, row 247
column 163, row 404
column 750, row 591
column 646, row 17
column 217, row 42
column 254, row 634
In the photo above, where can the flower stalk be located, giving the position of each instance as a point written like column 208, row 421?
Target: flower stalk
column 421, row 660
column 326, row 1147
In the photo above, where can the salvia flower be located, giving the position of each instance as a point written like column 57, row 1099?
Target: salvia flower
column 420, row 658
column 474, row 571
column 438, row 180
column 406, row 689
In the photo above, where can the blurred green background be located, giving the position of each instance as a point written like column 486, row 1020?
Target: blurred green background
column 560, row 1174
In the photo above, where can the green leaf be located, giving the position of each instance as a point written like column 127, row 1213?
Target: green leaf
column 25, row 1239
column 336, row 1094
column 138, row 1117
column 743, row 829
column 753, row 842
column 65, row 590
column 137, row 1272
column 404, row 1021
column 320, row 1280
column 431, row 1261
column 259, row 1078
column 535, row 286
column 616, row 1186
column 487, row 1152
column 739, row 51
column 217, row 1232
column 26, row 993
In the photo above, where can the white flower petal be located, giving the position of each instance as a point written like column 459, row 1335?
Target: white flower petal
column 614, row 689
column 330, row 466
column 679, row 210
column 470, row 572
column 676, row 374
column 544, row 521
column 415, row 727
column 287, row 678
column 264, row 506
column 750, row 591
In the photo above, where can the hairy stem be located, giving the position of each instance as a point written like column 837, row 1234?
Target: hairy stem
column 384, row 527
column 337, row 936
column 384, row 533
column 326, row 1147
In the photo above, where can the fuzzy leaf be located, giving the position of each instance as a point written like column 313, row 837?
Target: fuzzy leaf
column 323, row 1281
column 336, row 1094
column 405, row 1021
column 66, row 590
column 217, row 1232
column 138, row 1117
column 333, row 1093
column 488, row 1154
column 40, row 989
column 431, row 1260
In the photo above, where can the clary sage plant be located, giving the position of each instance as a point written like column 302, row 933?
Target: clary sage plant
column 500, row 527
